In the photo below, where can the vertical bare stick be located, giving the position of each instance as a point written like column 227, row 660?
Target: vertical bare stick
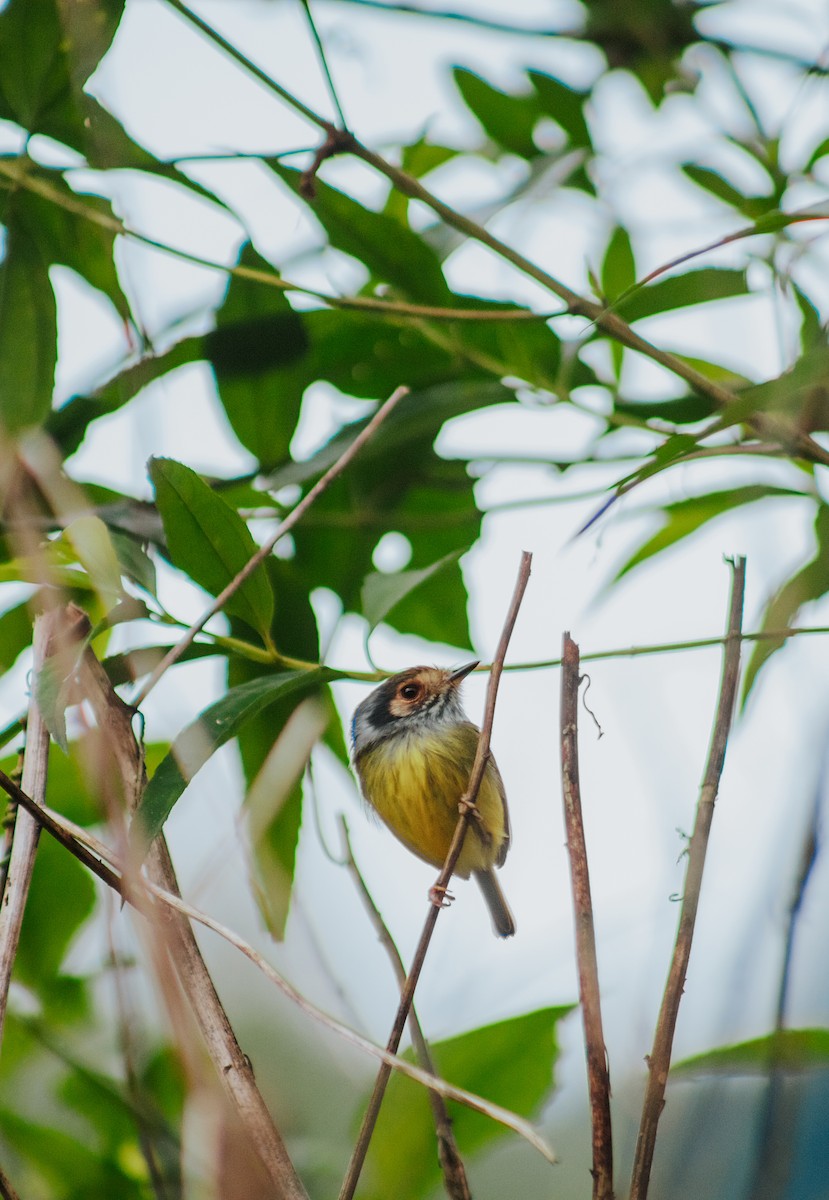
column 598, row 1076
column 466, row 806
column 454, row 1172
column 659, row 1060
column 26, row 829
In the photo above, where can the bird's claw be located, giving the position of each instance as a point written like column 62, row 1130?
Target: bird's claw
column 441, row 897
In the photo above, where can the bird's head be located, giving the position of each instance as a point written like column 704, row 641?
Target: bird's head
column 416, row 700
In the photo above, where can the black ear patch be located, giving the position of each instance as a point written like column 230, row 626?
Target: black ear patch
column 379, row 714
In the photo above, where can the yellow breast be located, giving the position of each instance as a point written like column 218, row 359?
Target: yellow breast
column 415, row 781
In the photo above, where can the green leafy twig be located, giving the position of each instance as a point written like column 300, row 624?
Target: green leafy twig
column 659, row 1060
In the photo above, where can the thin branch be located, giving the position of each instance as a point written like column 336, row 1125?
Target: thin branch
column 467, row 808
column 321, row 55
column 659, row 1060
column 14, row 169
column 454, row 1172
column 7, row 1192
column 265, row 549
column 96, row 856
column 26, row 828
column 598, row 1075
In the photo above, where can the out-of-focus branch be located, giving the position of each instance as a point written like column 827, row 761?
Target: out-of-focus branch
column 659, row 1060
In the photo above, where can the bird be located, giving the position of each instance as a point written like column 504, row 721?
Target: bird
column 412, row 750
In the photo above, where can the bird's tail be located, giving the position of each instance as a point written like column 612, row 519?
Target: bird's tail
column 502, row 919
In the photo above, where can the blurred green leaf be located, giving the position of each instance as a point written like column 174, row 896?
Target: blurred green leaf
column 28, row 330
column 618, row 265
column 209, row 541
column 273, row 813
column 788, row 1050
column 257, row 341
column 72, row 1169
column 61, row 897
column 15, row 634
column 63, row 235
column 199, row 741
column 294, row 631
column 383, row 592
column 509, row 120
column 48, row 50
column 564, row 104
column 714, row 183
column 681, row 291
column 390, row 251
column 510, row 1063
column 809, row 583
column 687, row 516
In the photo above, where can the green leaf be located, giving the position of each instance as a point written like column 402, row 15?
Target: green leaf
column 15, row 635
column 687, row 516
column 73, row 1169
column 68, row 424
column 28, row 331
column 789, row 1050
column 257, row 341
column 48, row 50
column 85, row 244
column 199, row 741
column 210, row 541
column 381, row 592
column 619, row 265
column 274, row 808
column 510, row 1063
column 508, row 120
column 391, row 252
column 714, row 183
column 92, row 546
column 61, row 897
column 294, row 631
column 682, row 291
column 811, row 582
column 564, row 104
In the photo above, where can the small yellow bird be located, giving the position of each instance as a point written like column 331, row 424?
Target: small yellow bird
column 412, row 747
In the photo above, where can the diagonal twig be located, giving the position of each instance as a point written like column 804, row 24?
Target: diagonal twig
column 175, row 652
column 598, row 1074
column 454, row 1172
column 659, row 1060
column 467, row 807
column 321, row 55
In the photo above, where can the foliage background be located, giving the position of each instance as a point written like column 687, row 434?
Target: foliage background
column 600, row 155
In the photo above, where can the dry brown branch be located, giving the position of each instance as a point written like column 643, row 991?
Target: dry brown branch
column 7, row 1192
column 95, row 855
column 598, row 1075
column 284, row 527
column 454, row 1172
column 659, row 1060
column 467, row 808
column 232, row 1066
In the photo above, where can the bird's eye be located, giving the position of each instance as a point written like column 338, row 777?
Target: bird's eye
column 410, row 691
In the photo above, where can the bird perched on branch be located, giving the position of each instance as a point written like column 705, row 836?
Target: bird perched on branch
column 412, row 747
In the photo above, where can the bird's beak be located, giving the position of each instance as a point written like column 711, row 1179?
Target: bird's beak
column 462, row 672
